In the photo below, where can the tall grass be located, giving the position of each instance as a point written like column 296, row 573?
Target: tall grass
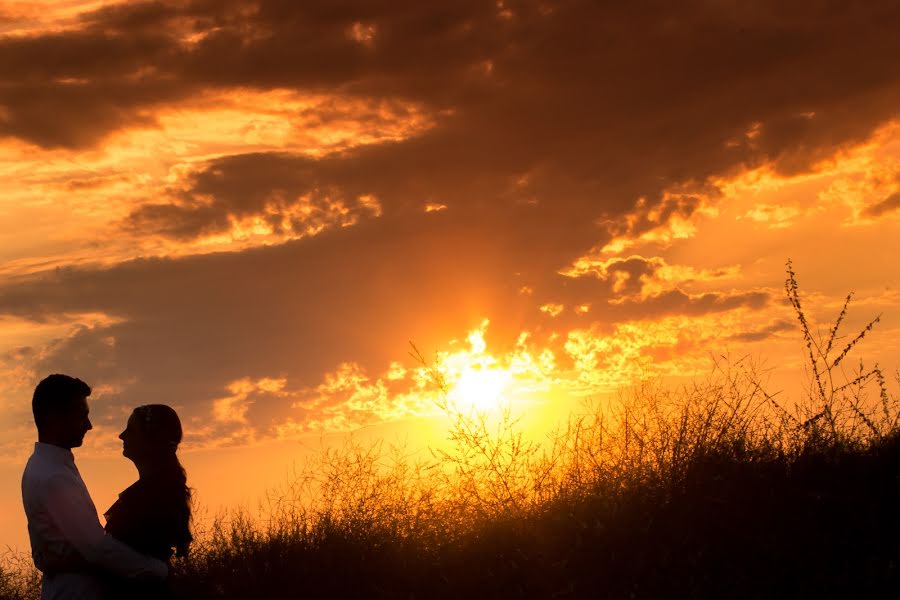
column 716, row 488
column 19, row 580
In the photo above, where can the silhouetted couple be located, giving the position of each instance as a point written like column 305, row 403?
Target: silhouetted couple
column 150, row 521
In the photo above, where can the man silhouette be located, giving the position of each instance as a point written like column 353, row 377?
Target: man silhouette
column 68, row 544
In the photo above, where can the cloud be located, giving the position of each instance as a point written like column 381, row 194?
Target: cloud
column 888, row 205
column 638, row 278
column 776, row 216
column 663, row 222
column 605, row 359
column 679, row 302
column 552, row 309
column 252, row 194
column 529, row 105
column 179, row 328
column 763, row 333
column 346, row 398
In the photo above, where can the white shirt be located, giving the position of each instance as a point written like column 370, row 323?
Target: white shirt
column 62, row 523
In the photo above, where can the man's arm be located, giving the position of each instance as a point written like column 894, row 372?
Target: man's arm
column 74, row 514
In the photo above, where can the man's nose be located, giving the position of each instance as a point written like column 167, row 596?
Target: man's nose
column 89, row 426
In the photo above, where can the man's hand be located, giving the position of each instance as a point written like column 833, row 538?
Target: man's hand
column 68, row 561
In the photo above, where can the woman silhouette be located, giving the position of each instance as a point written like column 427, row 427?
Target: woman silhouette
column 152, row 515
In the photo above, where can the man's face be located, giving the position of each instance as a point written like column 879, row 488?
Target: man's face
column 76, row 423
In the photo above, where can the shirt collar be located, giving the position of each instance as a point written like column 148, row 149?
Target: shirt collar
column 54, row 453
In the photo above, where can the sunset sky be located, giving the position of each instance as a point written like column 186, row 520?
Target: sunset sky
column 248, row 209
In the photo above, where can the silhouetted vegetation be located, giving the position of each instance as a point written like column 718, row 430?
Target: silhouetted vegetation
column 714, row 489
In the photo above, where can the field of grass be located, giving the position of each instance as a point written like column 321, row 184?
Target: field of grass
column 713, row 490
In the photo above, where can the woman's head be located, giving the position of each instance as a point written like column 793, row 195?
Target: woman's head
column 153, row 430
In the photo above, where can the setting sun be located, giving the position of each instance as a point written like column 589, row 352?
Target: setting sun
column 480, row 389
column 474, row 380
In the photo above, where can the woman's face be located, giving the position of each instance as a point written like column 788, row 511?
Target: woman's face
column 135, row 444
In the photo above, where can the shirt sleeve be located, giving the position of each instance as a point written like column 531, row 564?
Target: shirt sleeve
column 73, row 513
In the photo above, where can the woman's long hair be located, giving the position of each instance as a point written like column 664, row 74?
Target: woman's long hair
column 162, row 427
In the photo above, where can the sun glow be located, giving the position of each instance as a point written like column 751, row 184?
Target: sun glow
column 480, row 389
column 474, row 379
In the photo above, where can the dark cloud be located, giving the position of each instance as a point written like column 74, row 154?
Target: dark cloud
column 69, row 114
column 270, row 185
column 889, row 204
column 628, row 275
column 93, row 182
column 636, row 281
column 603, row 315
column 763, row 333
column 84, row 345
column 678, row 302
column 588, row 106
column 69, row 89
column 273, row 186
column 192, row 325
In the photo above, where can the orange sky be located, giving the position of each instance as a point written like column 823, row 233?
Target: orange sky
column 247, row 209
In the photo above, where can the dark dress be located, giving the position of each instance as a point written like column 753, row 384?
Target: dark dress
column 149, row 517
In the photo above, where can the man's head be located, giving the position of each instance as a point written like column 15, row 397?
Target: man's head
column 61, row 411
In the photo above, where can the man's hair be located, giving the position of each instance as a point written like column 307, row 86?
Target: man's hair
column 56, row 393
